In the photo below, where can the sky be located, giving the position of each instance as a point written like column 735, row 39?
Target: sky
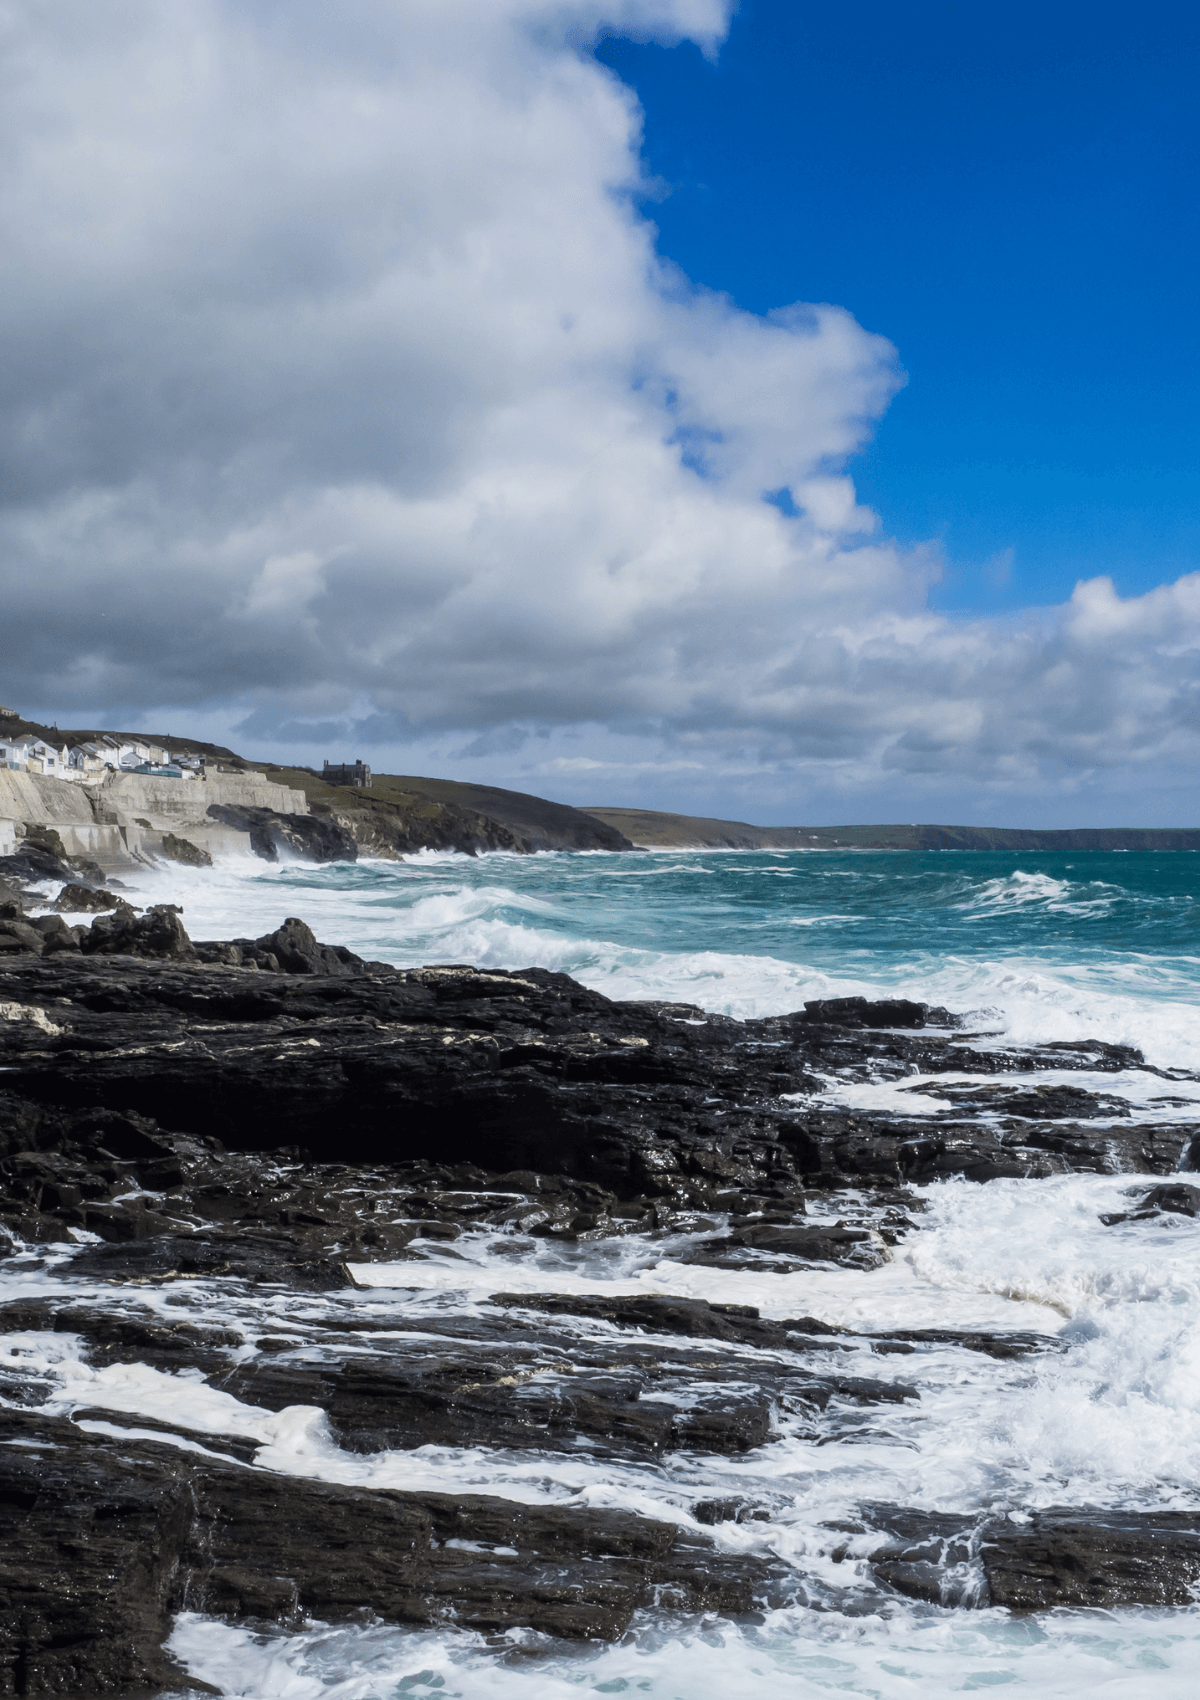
column 1009, row 194
column 786, row 414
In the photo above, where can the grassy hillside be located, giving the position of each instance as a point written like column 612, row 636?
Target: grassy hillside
column 656, row 831
column 399, row 814
column 389, row 820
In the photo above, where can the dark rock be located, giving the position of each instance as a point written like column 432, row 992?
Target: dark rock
column 20, row 937
column 1015, row 1344
column 695, row 1318
column 89, row 872
column 1182, row 1200
column 39, row 836
column 158, row 933
column 822, row 1244
column 182, row 850
column 89, row 1556
column 297, row 951
column 123, row 1337
column 513, row 1072
column 1177, row 1200
column 282, row 1259
column 290, row 949
column 310, row 838
column 76, row 898
column 144, row 1530
column 128, row 1219
column 444, row 1400
column 124, row 1135
column 885, row 1012
column 1100, row 1560
column 429, row 1558
column 1037, row 1103
column 56, row 935
column 31, row 865
column 1057, row 1559
column 713, row 1511
column 439, row 1103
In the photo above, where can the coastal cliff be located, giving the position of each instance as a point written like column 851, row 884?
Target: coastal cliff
column 400, row 815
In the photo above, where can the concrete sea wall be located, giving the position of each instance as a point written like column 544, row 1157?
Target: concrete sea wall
column 120, row 820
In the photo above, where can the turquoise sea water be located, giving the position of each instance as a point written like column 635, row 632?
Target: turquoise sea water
column 885, row 909
column 1052, row 946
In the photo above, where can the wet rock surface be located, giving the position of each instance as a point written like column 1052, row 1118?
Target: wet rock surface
column 1177, row 1200
column 312, row 838
column 1058, row 1558
column 1100, row 1559
column 75, row 898
column 202, row 1143
column 145, row 1531
column 182, row 850
column 531, row 1071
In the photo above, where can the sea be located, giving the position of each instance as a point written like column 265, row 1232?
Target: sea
column 1030, row 947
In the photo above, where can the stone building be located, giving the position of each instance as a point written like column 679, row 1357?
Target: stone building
column 342, row 773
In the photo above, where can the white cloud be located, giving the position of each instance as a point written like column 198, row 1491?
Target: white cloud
column 286, row 585
column 344, row 382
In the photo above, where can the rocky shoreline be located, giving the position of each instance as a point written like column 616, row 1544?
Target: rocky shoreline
column 202, row 1144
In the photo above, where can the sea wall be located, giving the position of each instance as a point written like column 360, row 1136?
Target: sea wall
column 120, row 820
column 29, row 799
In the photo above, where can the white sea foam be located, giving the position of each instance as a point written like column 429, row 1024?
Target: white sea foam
column 1020, row 890
column 895, row 1296
column 1120, row 1656
column 1114, row 1420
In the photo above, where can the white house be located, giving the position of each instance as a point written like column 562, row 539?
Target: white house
column 29, row 754
column 121, row 755
column 97, row 756
column 138, row 752
column 94, row 757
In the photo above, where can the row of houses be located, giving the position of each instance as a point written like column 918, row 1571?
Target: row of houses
column 27, row 753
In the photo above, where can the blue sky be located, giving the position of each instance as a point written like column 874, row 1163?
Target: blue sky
column 1010, row 195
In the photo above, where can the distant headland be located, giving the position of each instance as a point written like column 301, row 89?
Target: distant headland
column 651, row 830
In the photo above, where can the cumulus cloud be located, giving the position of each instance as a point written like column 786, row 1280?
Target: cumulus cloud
column 346, row 389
